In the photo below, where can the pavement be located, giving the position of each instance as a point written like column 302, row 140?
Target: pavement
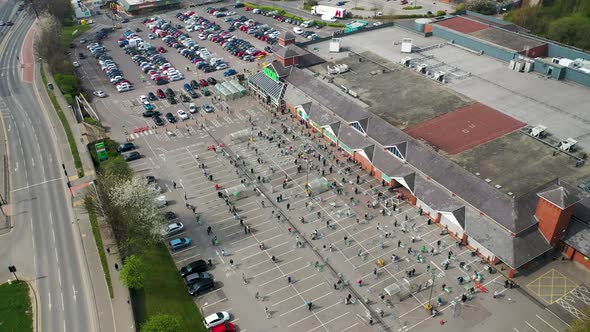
column 242, row 269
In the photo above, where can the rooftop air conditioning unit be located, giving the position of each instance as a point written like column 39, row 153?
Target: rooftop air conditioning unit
column 568, row 145
column 439, row 76
column 421, row 68
column 406, row 61
column 538, row 131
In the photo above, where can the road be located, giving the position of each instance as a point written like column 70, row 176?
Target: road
column 45, row 243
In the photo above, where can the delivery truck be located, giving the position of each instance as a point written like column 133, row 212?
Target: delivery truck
column 328, row 11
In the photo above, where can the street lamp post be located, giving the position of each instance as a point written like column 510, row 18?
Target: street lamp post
column 431, row 288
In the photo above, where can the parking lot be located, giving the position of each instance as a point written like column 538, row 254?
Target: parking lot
column 349, row 229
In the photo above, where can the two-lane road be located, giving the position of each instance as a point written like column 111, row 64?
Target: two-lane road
column 45, row 242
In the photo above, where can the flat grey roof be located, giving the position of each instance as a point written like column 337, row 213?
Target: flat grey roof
column 507, row 39
column 578, row 236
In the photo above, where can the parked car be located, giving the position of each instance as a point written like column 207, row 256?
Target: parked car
column 126, row 147
column 158, row 121
column 192, row 108
column 132, row 156
column 150, row 114
column 229, row 72
column 179, row 243
column 196, row 266
column 195, row 277
column 148, row 106
column 225, row 327
column 170, row 117
column 182, row 115
column 172, row 229
column 152, row 96
column 216, row 319
column 161, row 94
column 207, row 108
column 201, row 286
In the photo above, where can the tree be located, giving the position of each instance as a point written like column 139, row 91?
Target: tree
column 60, row 9
column 162, row 323
column 486, row 7
column 49, row 43
column 138, row 210
column 134, row 272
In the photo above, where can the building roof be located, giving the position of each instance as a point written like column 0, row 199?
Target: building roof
column 435, row 196
column 287, row 35
column 266, row 84
column 462, row 24
column 578, row 236
column 507, row 39
column 562, row 195
column 285, row 52
column 281, row 70
column 352, row 138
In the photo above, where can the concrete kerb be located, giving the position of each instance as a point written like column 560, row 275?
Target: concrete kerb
column 321, row 258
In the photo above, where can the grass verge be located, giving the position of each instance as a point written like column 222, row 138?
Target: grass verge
column 89, row 204
column 71, row 33
column 15, row 307
column 66, row 125
column 283, row 13
column 164, row 292
column 412, row 7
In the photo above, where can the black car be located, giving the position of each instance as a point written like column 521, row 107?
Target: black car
column 212, row 80
column 161, row 82
column 208, row 69
column 158, row 121
column 172, row 100
column 125, row 20
column 170, row 92
column 132, row 156
column 201, row 286
column 151, row 114
column 185, row 98
column 125, row 147
column 196, row 266
column 150, row 179
column 169, row 215
column 170, row 117
column 81, row 56
column 152, row 96
column 194, row 84
column 195, row 277
column 194, row 94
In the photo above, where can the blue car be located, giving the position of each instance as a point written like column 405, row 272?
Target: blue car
column 148, row 106
column 179, row 243
column 229, row 72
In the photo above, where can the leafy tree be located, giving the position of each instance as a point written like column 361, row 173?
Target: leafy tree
column 581, row 325
column 117, row 168
column 60, row 9
column 162, row 323
column 68, row 84
column 49, row 43
column 486, row 7
column 134, row 272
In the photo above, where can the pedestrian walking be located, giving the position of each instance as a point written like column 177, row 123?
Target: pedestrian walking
column 413, row 272
column 222, row 253
column 289, row 279
column 185, row 196
column 443, row 287
column 108, row 250
column 273, row 259
column 174, row 184
column 194, row 210
column 381, row 313
column 375, row 273
column 244, row 278
column 309, row 305
column 248, row 229
column 360, row 282
column 288, row 206
column 116, row 266
column 231, row 262
column 266, row 312
column 208, row 230
column 209, row 262
column 331, row 247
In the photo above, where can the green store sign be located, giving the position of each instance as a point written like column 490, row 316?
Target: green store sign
column 271, row 74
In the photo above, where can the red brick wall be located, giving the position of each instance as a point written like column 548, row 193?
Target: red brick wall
column 539, row 51
column 552, row 220
column 378, row 174
column 365, row 163
column 579, row 257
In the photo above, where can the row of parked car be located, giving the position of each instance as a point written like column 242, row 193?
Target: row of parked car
column 149, row 58
column 109, row 67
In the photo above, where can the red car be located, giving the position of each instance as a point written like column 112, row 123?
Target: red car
column 203, row 83
column 161, row 94
column 225, row 327
column 161, row 49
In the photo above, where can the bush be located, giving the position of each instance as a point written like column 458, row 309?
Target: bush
column 134, row 272
column 162, row 323
column 412, row 7
column 68, row 84
column 486, row 7
column 441, row 13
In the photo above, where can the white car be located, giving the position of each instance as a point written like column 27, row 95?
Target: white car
column 176, row 77
column 99, row 94
column 192, row 108
column 298, row 30
column 203, row 36
column 216, row 319
column 75, row 64
column 143, row 98
column 123, row 88
column 173, row 229
column 221, row 66
column 182, row 115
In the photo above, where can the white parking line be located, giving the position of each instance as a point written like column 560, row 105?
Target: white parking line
column 186, row 259
column 297, row 295
column 328, row 322
column 214, row 303
column 544, row 321
column 296, row 281
column 278, row 266
column 348, row 328
column 298, row 307
column 532, row 327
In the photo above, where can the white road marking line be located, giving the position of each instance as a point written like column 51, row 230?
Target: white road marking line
column 544, row 321
column 532, row 327
column 331, row 320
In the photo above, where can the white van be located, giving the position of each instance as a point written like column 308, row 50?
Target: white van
column 161, row 201
column 307, row 24
column 256, row 11
column 298, row 30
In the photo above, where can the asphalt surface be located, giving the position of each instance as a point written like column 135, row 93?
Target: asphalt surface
column 44, row 244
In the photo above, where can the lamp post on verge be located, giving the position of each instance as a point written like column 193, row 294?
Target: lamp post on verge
column 12, row 268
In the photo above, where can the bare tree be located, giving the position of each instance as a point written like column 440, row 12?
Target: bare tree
column 48, row 42
column 61, row 9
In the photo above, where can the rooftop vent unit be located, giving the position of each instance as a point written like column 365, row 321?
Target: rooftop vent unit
column 539, row 131
column 421, row 68
column 439, row 76
column 568, row 145
column 406, row 61
column 352, row 93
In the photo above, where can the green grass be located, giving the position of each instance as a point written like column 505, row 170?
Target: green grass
column 15, row 307
column 283, row 13
column 357, row 8
column 66, row 125
column 164, row 292
column 71, row 33
column 412, row 7
column 89, row 203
